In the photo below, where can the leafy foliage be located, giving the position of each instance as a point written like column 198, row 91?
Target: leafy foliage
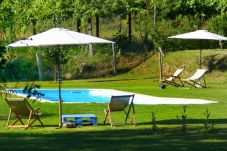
column 137, row 26
column 19, row 69
column 207, row 115
column 183, row 117
column 31, row 90
column 153, row 123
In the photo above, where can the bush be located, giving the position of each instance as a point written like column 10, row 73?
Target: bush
column 218, row 24
column 20, row 69
column 121, row 40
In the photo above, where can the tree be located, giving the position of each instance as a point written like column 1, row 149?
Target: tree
column 126, row 9
column 27, row 14
column 82, row 14
column 7, row 20
column 197, row 10
column 148, row 19
column 2, row 57
column 58, row 56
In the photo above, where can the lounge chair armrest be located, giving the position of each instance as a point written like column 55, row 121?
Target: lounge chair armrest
column 36, row 109
column 106, row 110
column 174, row 76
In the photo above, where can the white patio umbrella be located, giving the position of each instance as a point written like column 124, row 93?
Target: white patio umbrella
column 200, row 35
column 56, row 37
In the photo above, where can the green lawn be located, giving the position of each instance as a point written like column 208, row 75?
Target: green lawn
column 103, row 137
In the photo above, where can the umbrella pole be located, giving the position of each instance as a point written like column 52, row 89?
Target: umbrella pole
column 160, row 65
column 161, row 54
column 200, row 53
column 114, row 59
column 59, row 89
column 200, row 58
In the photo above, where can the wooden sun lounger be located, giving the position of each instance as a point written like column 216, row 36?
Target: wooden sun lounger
column 172, row 80
column 197, row 79
column 21, row 108
column 119, row 104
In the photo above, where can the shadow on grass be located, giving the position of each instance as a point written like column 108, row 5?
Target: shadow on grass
column 112, row 139
column 193, row 121
column 124, row 79
column 3, row 117
column 110, row 80
column 188, row 121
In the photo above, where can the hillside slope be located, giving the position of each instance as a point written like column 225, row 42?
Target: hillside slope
column 214, row 60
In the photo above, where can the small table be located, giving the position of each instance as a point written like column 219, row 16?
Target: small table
column 79, row 119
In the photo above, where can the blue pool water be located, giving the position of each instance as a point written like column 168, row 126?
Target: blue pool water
column 72, row 95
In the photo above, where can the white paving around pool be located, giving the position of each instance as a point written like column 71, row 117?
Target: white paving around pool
column 147, row 99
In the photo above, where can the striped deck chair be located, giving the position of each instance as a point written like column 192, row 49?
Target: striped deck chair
column 197, row 80
column 119, row 104
column 172, row 80
column 21, row 108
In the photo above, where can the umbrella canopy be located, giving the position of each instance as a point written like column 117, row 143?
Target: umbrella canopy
column 56, row 37
column 200, row 35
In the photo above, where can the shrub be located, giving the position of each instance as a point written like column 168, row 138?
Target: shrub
column 183, row 119
column 153, row 123
column 207, row 115
column 20, row 69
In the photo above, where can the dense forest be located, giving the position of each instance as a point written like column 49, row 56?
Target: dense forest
column 137, row 26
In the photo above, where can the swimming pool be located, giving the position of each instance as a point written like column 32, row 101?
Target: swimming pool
column 74, row 95
column 104, row 95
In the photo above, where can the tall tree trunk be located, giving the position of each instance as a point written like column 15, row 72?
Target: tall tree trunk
column 146, row 41
column 78, row 25
column 130, row 27
column 89, row 30
column 38, row 56
column 120, row 25
column 97, row 25
column 154, row 19
column 90, row 33
column 34, row 26
column 154, row 22
column 55, row 73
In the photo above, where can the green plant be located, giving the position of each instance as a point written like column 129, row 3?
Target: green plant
column 183, row 119
column 31, row 90
column 207, row 115
column 121, row 40
column 153, row 123
column 138, row 137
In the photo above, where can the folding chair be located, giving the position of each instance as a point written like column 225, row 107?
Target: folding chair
column 21, row 108
column 120, row 103
column 173, row 78
column 196, row 79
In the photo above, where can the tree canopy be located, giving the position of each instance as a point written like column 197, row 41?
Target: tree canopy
column 137, row 26
column 18, row 16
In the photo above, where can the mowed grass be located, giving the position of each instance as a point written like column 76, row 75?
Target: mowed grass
column 143, row 79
